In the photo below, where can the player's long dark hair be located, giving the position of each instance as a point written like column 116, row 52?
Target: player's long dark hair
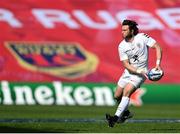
column 132, row 26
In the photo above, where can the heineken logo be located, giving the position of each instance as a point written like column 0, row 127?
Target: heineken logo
column 58, row 93
column 55, row 93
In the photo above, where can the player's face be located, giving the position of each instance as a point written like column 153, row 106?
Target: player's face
column 125, row 31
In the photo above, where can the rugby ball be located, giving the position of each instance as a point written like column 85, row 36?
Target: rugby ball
column 155, row 75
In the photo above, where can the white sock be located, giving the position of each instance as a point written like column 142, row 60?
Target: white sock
column 122, row 106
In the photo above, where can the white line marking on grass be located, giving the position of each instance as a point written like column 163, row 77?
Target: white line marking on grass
column 82, row 120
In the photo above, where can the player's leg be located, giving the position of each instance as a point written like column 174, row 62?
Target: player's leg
column 130, row 83
column 120, row 87
column 118, row 94
column 123, row 106
column 123, row 81
column 135, row 82
column 122, row 111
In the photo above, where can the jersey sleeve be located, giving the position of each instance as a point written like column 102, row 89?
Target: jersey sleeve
column 149, row 41
column 122, row 54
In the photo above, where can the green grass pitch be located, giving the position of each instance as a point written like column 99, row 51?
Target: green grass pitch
column 87, row 119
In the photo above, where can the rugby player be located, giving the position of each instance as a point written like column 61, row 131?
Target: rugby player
column 133, row 52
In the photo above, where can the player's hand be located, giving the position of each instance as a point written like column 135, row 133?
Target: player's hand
column 142, row 72
column 158, row 67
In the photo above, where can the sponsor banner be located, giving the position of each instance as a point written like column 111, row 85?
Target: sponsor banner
column 67, row 60
column 77, row 41
column 162, row 93
column 84, row 94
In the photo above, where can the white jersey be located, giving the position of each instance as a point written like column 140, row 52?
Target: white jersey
column 137, row 50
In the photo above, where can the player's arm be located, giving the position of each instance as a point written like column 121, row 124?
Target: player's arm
column 132, row 69
column 128, row 66
column 125, row 61
column 158, row 55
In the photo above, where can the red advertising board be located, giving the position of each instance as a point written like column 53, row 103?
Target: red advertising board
column 77, row 40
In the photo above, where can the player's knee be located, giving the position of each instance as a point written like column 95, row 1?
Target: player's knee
column 128, row 93
column 117, row 96
column 128, row 90
column 118, row 93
